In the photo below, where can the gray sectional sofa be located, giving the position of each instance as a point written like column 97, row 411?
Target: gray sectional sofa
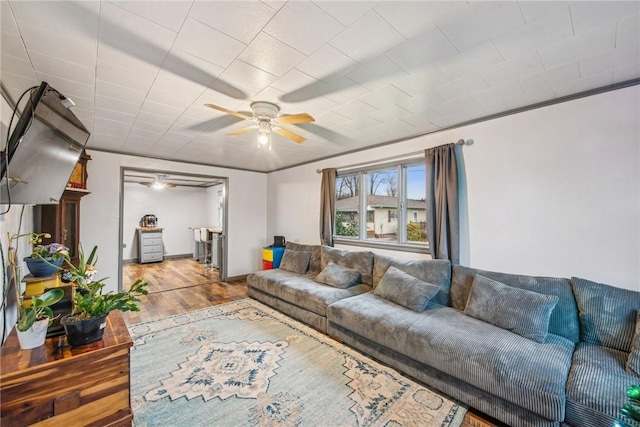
column 528, row 351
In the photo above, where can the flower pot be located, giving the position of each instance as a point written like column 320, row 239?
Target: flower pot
column 34, row 336
column 84, row 331
column 39, row 268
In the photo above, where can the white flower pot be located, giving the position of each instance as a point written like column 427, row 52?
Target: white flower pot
column 34, row 336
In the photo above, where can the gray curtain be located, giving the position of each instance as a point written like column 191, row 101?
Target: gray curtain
column 443, row 217
column 327, row 206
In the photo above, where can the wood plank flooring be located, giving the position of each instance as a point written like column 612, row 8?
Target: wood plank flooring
column 182, row 284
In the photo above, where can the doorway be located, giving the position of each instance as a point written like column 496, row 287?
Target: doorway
column 161, row 212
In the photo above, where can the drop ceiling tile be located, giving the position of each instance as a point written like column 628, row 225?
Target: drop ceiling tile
column 64, row 69
column 154, row 119
column 354, row 109
column 412, row 17
column 627, row 72
column 219, row 49
column 303, row 26
column 317, row 106
column 18, row 66
column 271, row 55
column 389, row 113
column 345, row 90
column 397, row 127
column 136, row 132
column 117, row 105
column 160, row 109
column 113, row 91
column 149, row 127
column 497, row 93
column 7, row 20
column 137, row 80
column 421, row 101
column 532, row 10
column 617, row 58
column 346, row 12
column 579, row 47
column 327, row 63
column 362, row 122
column 18, row 82
column 331, row 119
column 293, row 80
column 12, row 45
column 84, row 103
column 187, row 72
column 241, row 20
column 128, row 60
column 461, row 87
column 169, row 14
column 628, row 31
column 542, row 81
column 541, row 32
column 269, row 94
column 481, row 22
column 172, row 98
column 245, row 76
column 593, row 81
column 101, row 113
column 587, row 15
column 457, row 105
column 377, row 73
column 513, row 69
column 385, row 96
column 471, row 60
column 367, row 38
column 421, row 80
column 68, row 87
column 422, row 49
column 79, row 50
column 522, row 100
column 70, row 19
column 111, row 127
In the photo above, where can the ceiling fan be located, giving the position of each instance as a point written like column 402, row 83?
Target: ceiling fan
column 265, row 114
column 159, row 182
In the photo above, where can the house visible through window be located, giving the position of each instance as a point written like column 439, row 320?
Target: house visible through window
column 383, row 206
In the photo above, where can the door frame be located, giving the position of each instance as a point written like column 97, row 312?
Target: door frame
column 225, row 226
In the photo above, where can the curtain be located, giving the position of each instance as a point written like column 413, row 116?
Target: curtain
column 327, row 206
column 443, row 217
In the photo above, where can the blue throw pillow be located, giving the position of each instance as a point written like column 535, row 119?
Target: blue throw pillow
column 522, row 312
column 405, row 290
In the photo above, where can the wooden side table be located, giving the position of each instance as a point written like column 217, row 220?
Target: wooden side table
column 56, row 385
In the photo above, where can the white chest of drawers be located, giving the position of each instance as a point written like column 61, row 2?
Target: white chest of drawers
column 150, row 247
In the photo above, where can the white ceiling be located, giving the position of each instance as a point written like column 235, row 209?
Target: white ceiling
column 148, row 178
column 368, row 71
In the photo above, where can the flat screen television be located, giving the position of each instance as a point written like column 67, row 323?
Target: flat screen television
column 42, row 150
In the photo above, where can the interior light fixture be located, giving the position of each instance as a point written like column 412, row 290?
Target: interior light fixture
column 158, row 185
column 264, row 133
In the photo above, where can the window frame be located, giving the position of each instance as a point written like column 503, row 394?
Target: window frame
column 401, row 244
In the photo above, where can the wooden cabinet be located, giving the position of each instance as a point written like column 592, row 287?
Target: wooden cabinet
column 56, row 385
column 150, row 247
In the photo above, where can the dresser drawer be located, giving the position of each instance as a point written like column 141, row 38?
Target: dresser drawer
column 154, row 235
column 151, row 242
column 151, row 249
column 150, row 257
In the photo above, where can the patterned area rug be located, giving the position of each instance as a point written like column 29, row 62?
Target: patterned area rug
column 244, row 364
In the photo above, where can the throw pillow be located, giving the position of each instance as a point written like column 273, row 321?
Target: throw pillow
column 295, row 261
column 314, row 262
column 633, row 361
column 522, row 312
column 405, row 290
column 338, row 276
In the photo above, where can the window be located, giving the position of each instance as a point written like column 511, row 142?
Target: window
column 383, row 206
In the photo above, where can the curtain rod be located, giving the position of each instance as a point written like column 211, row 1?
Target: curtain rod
column 415, row 153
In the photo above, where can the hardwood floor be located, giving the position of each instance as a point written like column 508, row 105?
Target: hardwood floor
column 179, row 285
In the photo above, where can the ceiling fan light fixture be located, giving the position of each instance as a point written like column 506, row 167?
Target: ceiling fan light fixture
column 264, row 133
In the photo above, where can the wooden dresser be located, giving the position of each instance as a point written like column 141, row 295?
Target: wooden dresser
column 150, row 247
column 68, row 386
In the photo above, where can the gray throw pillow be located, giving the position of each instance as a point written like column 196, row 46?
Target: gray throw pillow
column 405, row 290
column 338, row 276
column 314, row 262
column 295, row 261
column 633, row 361
column 522, row 312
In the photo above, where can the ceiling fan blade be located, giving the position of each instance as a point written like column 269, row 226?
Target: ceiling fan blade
column 243, row 130
column 294, row 119
column 169, row 185
column 288, row 134
column 225, row 110
column 146, row 184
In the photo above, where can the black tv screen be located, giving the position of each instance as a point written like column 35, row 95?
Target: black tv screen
column 42, row 150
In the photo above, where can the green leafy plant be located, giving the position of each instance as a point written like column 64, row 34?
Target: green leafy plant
column 630, row 412
column 40, row 309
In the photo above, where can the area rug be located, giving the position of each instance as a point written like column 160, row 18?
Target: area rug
column 244, row 364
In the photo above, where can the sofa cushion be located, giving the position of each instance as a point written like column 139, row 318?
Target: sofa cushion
column 314, row 261
column 361, row 261
column 564, row 318
column 301, row 291
column 597, row 385
column 513, row 368
column 295, row 261
column 435, row 271
column 517, row 310
column 406, row 290
column 607, row 313
column 633, row 361
column 338, row 276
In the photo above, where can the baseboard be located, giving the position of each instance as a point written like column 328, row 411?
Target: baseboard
column 241, row 277
column 125, row 261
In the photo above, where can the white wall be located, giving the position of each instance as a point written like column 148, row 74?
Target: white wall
column 553, row 191
column 99, row 223
column 176, row 208
column 213, row 220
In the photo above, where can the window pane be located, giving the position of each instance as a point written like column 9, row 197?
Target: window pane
column 416, row 205
column 347, row 206
column 382, row 205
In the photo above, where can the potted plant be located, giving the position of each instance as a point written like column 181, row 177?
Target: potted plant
column 45, row 259
column 33, row 320
column 91, row 305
